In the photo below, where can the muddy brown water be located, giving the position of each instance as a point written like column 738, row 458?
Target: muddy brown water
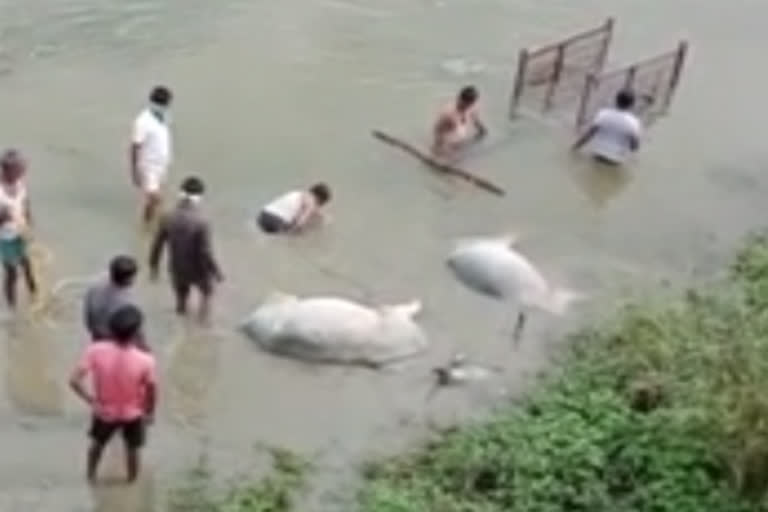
column 273, row 95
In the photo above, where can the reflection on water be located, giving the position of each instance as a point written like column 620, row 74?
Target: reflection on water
column 599, row 182
column 112, row 494
column 192, row 367
column 32, row 387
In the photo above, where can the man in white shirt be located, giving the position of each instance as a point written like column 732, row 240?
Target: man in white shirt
column 614, row 132
column 294, row 211
column 151, row 149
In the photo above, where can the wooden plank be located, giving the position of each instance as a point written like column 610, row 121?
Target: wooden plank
column 439, row 166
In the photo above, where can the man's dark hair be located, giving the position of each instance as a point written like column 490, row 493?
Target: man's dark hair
column 322, row 192
column 625, row 99
column 125, row 324
column 161, row 95
column 193, row 185
column 11, row 158
column 122, row 270
column 468, row 95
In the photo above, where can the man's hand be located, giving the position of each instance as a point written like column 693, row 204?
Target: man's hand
column 135, row 176
column 76, row 385
column 481, row 132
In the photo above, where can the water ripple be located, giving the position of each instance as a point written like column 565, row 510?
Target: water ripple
column 37, row 29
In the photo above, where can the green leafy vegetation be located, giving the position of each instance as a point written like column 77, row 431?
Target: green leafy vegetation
column 664, row 408
column 272, row 493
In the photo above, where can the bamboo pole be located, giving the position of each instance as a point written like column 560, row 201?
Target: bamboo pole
column 439, row 166
column 517, row 92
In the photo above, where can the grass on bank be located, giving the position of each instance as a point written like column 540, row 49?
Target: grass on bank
column 274, row 492
column 663, row 409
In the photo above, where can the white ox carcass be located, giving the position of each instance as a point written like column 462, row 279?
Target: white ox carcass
column 492, row 267
column 336, row 330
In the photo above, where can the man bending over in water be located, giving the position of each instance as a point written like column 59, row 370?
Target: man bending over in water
column 295, row 210
column 458, row 125
column 614, row 133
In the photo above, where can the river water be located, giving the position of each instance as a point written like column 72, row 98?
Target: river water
column 274, row 95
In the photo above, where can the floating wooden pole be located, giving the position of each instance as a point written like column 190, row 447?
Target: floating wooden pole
column 439, row 166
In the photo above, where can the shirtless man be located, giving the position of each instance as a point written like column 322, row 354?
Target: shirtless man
column 458, row 125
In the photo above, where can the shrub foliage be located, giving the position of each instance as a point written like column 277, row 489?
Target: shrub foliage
column 663, row 409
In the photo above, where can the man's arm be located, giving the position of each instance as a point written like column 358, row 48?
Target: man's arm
column 305, row 213
column 584, row 138
column 634, row 137
column 138, row 136
column 158, row 244
column 150, row 393
column 78, row 375
column 482, row 131
column 206, row 251
column 28, row 211
column 89, row 316
column 634, row 142
column 443, row 126
column 134, row 157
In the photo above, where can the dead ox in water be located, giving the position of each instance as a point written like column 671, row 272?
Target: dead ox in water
column 492, row 267
column 336, row 330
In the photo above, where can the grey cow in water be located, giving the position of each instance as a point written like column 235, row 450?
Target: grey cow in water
column 492, row 267
column 336, row 330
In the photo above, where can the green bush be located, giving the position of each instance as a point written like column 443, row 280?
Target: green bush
column 663, row 409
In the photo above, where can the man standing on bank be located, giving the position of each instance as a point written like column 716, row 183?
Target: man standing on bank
column 191, row 261
column 124, row 390
column 151, row 150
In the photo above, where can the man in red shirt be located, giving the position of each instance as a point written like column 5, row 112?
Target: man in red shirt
column 123, row 389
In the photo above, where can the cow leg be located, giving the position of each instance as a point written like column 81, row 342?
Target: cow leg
column 517, row 334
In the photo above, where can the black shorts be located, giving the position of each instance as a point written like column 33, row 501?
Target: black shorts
column 600, row 159
column 184, row 286
column 134, row 432
column 271, row 223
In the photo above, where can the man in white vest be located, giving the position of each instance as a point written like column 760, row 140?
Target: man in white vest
column 151, row 150
column 614, row 133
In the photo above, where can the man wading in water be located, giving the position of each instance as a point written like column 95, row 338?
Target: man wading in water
column 105, row 297
column 151, row 150
column 15, row 220
column 191, row 262
column 614, row 133
column 458, row 125
column 123, row 387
